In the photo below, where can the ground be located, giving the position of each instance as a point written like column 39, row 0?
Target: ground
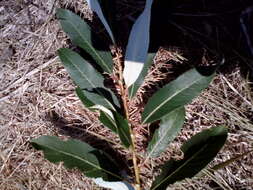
column 37, row 98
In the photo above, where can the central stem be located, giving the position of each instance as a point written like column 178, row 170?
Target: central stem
column 124, row 97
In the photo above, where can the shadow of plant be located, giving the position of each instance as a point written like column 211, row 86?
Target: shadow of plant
column 78, row 131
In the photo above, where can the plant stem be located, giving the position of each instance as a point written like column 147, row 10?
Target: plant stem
column 124, row 97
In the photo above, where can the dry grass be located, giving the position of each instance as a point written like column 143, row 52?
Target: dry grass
column 36, row 92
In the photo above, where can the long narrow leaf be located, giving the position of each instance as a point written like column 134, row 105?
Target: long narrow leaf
column 137, row 48
column 98, row 96
column 76, row 154
column 87, row 78
column 170, row 126
column 175, row 94
column 80, row 34
column 123, row 130
column 116, row 123
column 108, row 121
column 83, row 74
column 95, row 6
column 198, row 152
column 134, row 87
column 86, row 102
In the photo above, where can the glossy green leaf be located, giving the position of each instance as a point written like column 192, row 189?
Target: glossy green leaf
column 198, row 152
column 95, row 6
column 106, row 115
column 123, row 129
column 175, row 94
column 82, row 73
column 86, row 102
column 80, row 34
column 101, row 96
column 134, row 87
column 170, row 126
column 76, row 154
column 108, row 121
column 98, row 96
column 137, row 47
column 88, row 79
column 117, row 124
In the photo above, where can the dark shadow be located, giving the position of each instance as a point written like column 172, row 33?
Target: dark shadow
column 222, row 28
column 77, row 130
column 216, row 26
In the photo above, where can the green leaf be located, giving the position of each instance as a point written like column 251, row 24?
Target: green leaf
column 95, row 6
column 170, row 126
column 117, row 124
column 98, row 96
column 175, row 94
column 83, row 74
column 198, row 152
column 76, row 154
column 133, row 88
column 88, row 79
column 123, row 129
column 86, row 102
column 108, row 121
column 137, row 47
column 80, row 34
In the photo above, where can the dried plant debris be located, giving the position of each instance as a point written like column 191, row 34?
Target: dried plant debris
column 36, row 92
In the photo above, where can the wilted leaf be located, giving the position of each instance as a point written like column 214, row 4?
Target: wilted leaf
column 134, row 87
column 170, row 126
column 95, row 6
column 76, row 154
column 88, row 79
column 137, row 47
column 175, row 94
column 80, row 34
column 198, row 152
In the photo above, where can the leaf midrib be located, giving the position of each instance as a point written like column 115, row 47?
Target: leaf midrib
column 179, row 168
column 172, row 96
column 83, row 74
column 80, row 158
column 160, row 139
column 90, row 47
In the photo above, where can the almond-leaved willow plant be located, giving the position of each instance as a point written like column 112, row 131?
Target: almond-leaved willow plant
column 165, row 106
